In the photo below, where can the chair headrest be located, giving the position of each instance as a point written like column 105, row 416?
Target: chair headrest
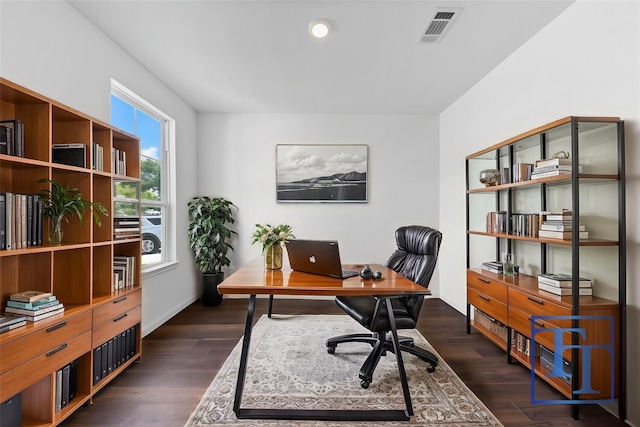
column 418, row 239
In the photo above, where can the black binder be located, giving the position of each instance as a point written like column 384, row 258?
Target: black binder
column 65, row 386
column 97, row 365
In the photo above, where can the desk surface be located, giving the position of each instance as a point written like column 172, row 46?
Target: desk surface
column 253, row 278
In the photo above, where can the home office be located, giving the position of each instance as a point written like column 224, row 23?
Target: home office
column 553, row 67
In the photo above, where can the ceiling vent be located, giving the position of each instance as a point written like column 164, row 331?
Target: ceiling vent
column 438, row 24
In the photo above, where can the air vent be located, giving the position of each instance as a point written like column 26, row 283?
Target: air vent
column 438, row 23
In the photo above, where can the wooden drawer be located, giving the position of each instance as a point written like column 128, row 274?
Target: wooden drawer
column 25, row 348
column 538, row 306
column 115, row 308
column 45, row 364
column 487, row 286
column 521, row 322
column 489, row 305
column 106, row 331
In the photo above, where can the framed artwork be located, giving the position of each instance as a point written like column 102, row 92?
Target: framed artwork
column 321, row 173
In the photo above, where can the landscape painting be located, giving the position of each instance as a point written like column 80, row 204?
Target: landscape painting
column 321, row 173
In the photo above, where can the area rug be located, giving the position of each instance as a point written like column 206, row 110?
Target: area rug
column 289, row 367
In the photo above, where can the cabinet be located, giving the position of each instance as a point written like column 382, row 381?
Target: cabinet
column 80, row 272
column 534, row 326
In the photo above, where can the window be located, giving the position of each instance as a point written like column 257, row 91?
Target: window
column 155, row 130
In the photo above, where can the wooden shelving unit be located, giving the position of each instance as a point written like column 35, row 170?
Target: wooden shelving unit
column 79, row 272
column 595, row 194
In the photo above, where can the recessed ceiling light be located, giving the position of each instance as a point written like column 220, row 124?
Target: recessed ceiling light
column 319, row 28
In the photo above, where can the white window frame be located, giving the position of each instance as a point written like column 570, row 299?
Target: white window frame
column 168, row 178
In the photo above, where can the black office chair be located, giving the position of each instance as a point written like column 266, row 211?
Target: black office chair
column 415, row 258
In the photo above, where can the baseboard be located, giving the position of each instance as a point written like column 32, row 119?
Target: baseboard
column 147, row 329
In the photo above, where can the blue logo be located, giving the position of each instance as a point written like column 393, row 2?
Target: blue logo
column 557, row 366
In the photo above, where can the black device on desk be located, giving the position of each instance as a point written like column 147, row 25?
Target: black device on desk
column 317, row 257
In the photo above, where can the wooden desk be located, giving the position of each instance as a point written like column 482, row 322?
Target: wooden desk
column 254, row 279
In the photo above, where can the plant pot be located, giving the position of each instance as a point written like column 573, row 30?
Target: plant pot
column 273, row 257
column 210, row 295
column 55, row 231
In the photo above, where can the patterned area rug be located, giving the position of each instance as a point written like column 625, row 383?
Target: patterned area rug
column 289, row 367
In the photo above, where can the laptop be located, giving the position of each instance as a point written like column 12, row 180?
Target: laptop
column 317, row 257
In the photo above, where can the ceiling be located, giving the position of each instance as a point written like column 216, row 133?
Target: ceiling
column 258, row 57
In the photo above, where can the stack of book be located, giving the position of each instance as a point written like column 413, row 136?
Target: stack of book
column 125, row 227
column 12, row 137
column 551, row 167
column 561, row 284
column 34, row 305
column 493, row 267
column 522, row 172
column 9, row 322
column 558, row 225
column 21, row 219
column 497, row 222
column 124, row 270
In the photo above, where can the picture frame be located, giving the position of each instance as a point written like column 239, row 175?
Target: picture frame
column 321, row 173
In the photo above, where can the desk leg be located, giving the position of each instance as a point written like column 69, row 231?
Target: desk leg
column 398, row 352
column 242, row 370
column 317, row 414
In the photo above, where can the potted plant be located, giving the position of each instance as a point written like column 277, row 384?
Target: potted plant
column 60, row 201
column 208, row 240
column 272, row 238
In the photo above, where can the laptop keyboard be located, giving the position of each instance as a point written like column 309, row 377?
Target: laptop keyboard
column 346, row 273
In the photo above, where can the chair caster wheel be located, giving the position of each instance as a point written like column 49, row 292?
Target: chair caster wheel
column 431, row 369
column 364, row 384
column 331, row 350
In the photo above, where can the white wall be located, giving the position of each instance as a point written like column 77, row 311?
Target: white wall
column 236, row 160
column 49, row 48
column 580, row 64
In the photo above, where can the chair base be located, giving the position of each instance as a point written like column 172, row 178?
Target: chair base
column 381, row 343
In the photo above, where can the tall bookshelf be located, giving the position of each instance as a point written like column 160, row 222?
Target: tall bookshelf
column 505, row 308
column 80, row 272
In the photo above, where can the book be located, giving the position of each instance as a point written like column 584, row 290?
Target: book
column 568, row 226
column 3, row 214
column 552, row 162
column 564, row 235
column 563, row 215
column 15, row 145
column 536, row 175
column 29, row 296
column 8, row 221
column 4, row 139
column 521, row 172
column 33, row 312
column 44, row 315
column 36, row 305
column 563, row 291
column 10, row 319
column 562, row 280
column 8, row 328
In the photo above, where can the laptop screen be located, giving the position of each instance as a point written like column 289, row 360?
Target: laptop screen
column 316, row 257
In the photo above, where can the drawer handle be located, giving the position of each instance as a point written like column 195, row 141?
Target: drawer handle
column 537, row 322
column 119, row 300
column 58, row 326
column 122, row 316
column 57, row 349
column 487, row 299
column 484, row 280
column 536, row 300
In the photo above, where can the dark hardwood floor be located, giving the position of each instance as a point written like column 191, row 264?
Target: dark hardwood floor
column 181, row 358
